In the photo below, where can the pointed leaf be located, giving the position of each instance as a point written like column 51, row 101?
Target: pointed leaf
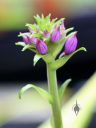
column 23, row 34
column 32, row 26
column 20, row 44
column 61, row 61
column 25, row 47
column 62, row 89
column 30, row 47
column 71, row 34
column 37, row 57
column 41, row 91
column 67, row 31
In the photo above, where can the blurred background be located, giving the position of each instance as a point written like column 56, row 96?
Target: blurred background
column 16, row 67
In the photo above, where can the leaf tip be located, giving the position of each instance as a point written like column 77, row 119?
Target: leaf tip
column 22, row 50
column 85, row 49
column 34, row 63
column 69, row 80
column 16, row 43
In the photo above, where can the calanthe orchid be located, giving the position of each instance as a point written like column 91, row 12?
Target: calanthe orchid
column 46, row 38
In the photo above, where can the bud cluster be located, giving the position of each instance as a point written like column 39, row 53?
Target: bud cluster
column 46, row 32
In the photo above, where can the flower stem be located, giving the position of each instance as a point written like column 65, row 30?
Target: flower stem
column 53, row 90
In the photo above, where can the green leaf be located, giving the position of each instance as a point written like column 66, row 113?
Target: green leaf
column 68, row 30
column 48, row 58
column 62, row 89
column 37, row 57
column 23, row 34
column 71, row 34
column 41, row 91
column 25, row 47
column 58, row 22
column 32, row 26
column 20, row 44
column 61, row 61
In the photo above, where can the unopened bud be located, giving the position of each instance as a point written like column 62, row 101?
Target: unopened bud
column 46, row 34
column 41, row 47
column 26, row 39
column 71, row 44
column 55, row 34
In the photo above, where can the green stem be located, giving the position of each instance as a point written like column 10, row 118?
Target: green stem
column 53, row 90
